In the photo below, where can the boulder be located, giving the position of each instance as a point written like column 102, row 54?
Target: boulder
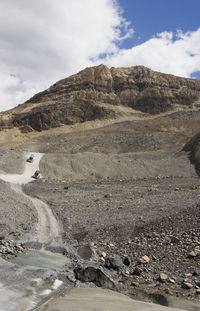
column 127, row 261
column 113, row 262
column 94, row 273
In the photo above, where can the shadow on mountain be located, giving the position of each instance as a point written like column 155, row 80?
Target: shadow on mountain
column 193, row 149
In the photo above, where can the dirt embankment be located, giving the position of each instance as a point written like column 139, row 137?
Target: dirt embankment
column 11, row 161
column 95, row 166
column 48, row 229
column 122, row 135
column 17, row 214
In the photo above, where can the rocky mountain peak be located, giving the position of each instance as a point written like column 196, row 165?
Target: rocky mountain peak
column 92, row 93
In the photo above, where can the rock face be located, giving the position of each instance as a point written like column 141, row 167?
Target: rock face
column 89, row 95
column 193, row 148
column 95, row 274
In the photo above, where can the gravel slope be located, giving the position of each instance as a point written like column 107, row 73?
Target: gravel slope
column 96, row 166
column 17, row 214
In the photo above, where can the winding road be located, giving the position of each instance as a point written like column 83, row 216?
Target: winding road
column 48, row 229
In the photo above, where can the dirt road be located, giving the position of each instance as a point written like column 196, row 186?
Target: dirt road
column 48, row 229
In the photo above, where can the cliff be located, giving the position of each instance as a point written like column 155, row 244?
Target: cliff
column 90, row 94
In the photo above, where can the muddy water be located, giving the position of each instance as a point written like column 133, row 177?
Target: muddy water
column 42, row 259
column 13, row 300
column 24, row 294
column 95, row 299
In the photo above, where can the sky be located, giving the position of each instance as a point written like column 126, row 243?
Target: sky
column 44, row 41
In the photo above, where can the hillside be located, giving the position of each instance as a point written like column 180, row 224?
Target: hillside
column 94, row 93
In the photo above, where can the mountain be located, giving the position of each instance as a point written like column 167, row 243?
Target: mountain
column 118, row 152
column 100, row 93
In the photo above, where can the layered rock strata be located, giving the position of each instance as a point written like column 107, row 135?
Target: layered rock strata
column 89, row 95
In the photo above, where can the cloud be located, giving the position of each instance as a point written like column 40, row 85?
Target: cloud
column 43, row 41
column 177, row 54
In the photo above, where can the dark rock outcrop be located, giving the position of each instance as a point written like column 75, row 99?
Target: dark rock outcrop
column 89, row 95
column 193, row 149
column 95, row 274
column 113, row 262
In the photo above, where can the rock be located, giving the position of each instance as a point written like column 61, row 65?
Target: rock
column 9, row 251
column 127, row 261
column 163, row 277
column 20, row 248
column 2, row 236
column 198, row 291
column 95, row 274
column 188, row 275
column 113, row 262
column 135, row 284
column 66, row 188
column 144, row 259
column 111, row 245
column 103, row 254
column 187, row 285
column 171, row 281
column 192, row 254
column 127, row 273
column 196, row 272
column 197, row 251
column 92, row 244
column 136, row 271
column 151, row 188
column 85, row 252
column 108, row 195
column 174, row 240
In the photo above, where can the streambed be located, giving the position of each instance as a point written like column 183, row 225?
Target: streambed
column 42, row 259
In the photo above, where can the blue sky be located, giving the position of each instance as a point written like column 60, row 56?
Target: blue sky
column 149, row 17
column 45, row 41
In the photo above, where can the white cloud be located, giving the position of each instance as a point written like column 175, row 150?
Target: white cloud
column 44, row 41
column 179, row 55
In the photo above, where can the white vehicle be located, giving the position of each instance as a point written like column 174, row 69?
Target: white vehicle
column 36, row 174
column 30, row 158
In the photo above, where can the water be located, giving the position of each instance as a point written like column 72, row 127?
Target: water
column 42, row 259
